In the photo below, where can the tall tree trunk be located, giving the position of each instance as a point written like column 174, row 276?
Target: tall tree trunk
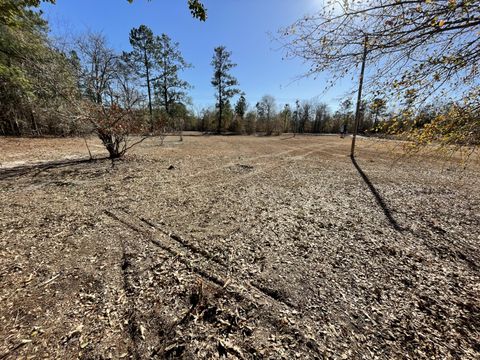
column 220, row 108
column 33, row 122
column 165, row 99
column 14, row 126
column 165, row 86
column 147, row 69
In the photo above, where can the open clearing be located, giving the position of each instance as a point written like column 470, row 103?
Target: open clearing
column 249, row 248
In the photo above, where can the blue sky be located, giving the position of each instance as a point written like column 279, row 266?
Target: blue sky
column 243, row 26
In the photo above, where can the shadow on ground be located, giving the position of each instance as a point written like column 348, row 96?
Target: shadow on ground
column 378, row 197
column 37, row 169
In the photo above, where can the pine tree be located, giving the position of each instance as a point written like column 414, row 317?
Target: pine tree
column 241, row 107
column 170, row 89
column 142, row 59
column 224, row 83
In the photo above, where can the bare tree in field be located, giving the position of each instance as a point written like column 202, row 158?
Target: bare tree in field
column 109, row 95
column 296, row 117
column 114, row 126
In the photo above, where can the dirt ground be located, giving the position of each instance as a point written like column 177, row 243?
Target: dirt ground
column 237, row 247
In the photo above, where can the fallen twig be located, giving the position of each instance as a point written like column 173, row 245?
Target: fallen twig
column 50, row 280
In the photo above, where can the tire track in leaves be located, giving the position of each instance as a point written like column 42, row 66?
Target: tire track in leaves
column 215, row 273
column 270, row 293
column 192, row 256
column 132, row 326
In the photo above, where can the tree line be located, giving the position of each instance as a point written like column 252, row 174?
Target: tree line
column 267, row 117
column 87, row 86
column 84, row 86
